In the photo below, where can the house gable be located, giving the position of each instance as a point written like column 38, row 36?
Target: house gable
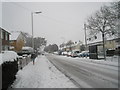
column 17, row 40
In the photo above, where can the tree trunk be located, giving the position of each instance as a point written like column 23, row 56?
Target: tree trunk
column 104, row 51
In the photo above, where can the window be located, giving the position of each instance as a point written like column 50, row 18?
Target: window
column 113, row 32
column 6, row 47
column 110, row 42
column 1, row 34
column 95, row 37
column 6, row 36
column 3, row 47
column 89, row 39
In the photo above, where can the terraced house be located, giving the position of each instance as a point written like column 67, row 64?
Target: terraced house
column 96, row 44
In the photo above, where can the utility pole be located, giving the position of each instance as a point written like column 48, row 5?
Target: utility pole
column 85, row 36
column 32, row 31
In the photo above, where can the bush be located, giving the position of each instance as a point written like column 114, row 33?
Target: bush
column 9, row 70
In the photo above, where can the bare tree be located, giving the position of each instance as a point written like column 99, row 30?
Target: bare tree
column 103, row 21
column 38, row 41
column 115, row 7
column 51, row 48
column 69, row 43
column 62, row 45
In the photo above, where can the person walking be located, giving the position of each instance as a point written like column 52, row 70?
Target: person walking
column 33, row 56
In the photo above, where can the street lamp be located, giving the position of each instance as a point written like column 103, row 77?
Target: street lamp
column 32, row 13
column 85, row 36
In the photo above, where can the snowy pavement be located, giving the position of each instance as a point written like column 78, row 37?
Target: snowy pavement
column 41, row 75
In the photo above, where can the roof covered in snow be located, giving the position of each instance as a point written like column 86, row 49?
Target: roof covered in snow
column 5, row 30
column 98, row 38
column 14, row 35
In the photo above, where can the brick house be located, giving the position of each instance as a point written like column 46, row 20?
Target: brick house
column 17, row 41
column 5, row 36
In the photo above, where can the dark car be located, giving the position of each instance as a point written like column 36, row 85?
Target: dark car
column 84, row 54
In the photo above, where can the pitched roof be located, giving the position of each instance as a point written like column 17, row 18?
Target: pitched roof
column 4, row 30
column 14, row 35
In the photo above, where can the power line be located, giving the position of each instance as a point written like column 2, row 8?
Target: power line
column 59, row 21
column 50, row 18
column 18, row 5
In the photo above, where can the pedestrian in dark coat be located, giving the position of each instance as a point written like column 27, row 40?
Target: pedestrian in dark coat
column 33, row 56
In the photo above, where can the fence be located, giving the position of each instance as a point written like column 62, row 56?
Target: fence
column 23, row 61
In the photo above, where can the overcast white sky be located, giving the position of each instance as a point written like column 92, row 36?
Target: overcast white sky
column 58, row 22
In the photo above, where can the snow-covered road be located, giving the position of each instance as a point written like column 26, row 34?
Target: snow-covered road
column 41, row 75
column 86, row 73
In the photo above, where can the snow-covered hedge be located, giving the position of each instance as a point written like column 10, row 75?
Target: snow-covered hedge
column 9, row 63
column 6, row 56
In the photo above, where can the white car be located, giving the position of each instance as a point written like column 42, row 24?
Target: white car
column 74, row 54
column 55, row 53
column 64, row 53
column 69, row 54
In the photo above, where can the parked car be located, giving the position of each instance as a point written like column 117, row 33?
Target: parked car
column 84, row 54
column 24, row 55
column 25, row 50
column 55, row 53
column 64, row 53
column 74, row 54
column 59, row 52
column 69, row 54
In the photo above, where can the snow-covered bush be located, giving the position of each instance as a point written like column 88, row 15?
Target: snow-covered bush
column 9, row 63
column 7, row 56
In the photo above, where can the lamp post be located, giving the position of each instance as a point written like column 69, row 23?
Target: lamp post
column 32, row 13
column 85, row 36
